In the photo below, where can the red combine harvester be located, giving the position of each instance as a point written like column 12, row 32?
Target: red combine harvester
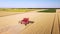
column 25, row 21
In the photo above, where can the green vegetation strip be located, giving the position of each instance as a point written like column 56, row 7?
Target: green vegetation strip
column 49, row 11
column 16, row 9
